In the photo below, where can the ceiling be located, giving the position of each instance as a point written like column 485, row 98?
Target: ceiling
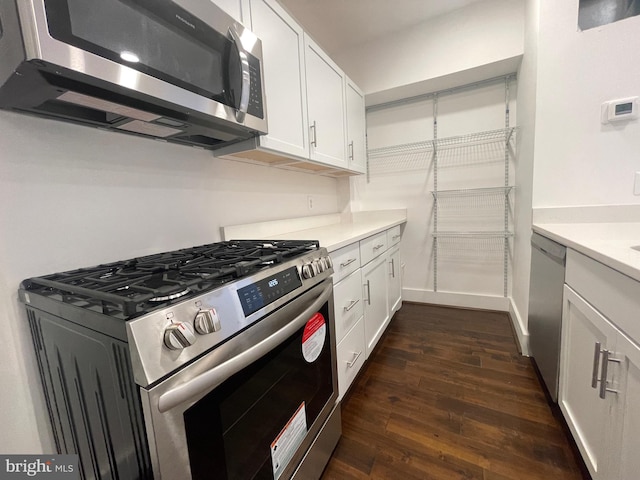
column 339, row 24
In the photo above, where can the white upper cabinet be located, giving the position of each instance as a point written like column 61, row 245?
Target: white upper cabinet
column 326, row 100
column 284, row 78
column 308, row 102
column 232, row 7
column 356, row 128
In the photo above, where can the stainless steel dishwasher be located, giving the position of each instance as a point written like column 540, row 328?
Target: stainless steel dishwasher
column 545, row 308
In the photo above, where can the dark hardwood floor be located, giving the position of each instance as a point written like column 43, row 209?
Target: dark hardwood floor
column 446, row 395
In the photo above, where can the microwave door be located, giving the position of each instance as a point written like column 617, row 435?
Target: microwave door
column 155, row 37
column 239, row 76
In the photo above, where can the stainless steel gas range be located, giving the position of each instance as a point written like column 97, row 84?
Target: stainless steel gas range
column 215, row 361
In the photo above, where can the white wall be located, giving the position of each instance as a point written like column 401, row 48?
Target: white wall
column 578, row 161
column 478, row 35
column 527, row 82
column 73, row 196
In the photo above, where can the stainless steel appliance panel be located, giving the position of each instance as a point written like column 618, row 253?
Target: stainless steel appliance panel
column 545, row 308
column 166, row 404
column 36, row 69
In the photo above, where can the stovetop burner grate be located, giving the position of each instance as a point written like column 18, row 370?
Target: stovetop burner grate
column 130, row 288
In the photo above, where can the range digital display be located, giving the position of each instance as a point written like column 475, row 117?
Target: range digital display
column 259, row 294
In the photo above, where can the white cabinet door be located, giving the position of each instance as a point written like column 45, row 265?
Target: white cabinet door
column 376, row 307
column 585, row 334
column 284, row 78
column 232, row 7
column 350, row 357
column 625, row 446
column 395, row 280
column 356, row 129
column 325, row 99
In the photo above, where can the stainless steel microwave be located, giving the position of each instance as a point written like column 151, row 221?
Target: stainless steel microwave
column 182, row 70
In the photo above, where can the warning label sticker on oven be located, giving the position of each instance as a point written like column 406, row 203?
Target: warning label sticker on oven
column 313, row 337
column 288, row 440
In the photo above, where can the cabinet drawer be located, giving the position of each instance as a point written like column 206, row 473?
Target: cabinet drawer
column 373, row 246
column 393, row 236
column 350, row 355
column 347, row 300
column 345, row 261
column 613, row 294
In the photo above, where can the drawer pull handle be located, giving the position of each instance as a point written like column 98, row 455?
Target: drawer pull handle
column 348, row 262
column 596, row 362
column 356, row 356
column 605, row 370
column 378, row 247
column 395, row 237
column 351, row 305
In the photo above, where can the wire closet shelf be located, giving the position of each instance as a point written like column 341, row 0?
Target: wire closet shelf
column 470, row 148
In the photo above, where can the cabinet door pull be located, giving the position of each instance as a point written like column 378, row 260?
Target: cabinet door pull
column 351, row 150
column 605, row 370
column 348, row 262
column 368, row 287
column 596, row 362
column 351, row 305
column 393, row 268
column 314, row 142
column 356, row 356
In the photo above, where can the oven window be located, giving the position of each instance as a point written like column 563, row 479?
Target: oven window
column 230, row 431
column 167, row 43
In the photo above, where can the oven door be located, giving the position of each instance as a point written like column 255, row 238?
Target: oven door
column 252, row 407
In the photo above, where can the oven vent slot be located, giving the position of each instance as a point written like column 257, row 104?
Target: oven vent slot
column 202, row 140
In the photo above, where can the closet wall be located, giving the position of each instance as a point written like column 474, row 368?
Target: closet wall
column 461, row 269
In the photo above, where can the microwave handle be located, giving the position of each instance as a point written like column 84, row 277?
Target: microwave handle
column 246, row 76
column 217, row 375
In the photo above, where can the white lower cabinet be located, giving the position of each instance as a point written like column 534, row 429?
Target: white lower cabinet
column 627, row 404
column 585, row 333
column 347, row 300
column 351, row 356
column 367, row 292
column 600, row 373
column 376, row 301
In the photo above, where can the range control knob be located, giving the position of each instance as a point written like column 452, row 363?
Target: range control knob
column 179, row 335
column 319, row 264
column 328, row 261
column 207, row 321
column 308, row 271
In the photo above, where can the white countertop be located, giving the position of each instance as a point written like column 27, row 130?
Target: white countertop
column 343, row 231
column 608, row 243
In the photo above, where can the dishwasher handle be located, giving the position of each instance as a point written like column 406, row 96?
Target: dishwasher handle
column 549, row 248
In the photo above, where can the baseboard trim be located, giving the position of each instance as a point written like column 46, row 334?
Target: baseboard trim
column 519, row 327
column 466, row 300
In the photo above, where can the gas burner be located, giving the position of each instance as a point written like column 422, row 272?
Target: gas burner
column 172, row 296
column 129, row 288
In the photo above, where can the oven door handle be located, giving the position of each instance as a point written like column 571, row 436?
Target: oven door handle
column 217, row 375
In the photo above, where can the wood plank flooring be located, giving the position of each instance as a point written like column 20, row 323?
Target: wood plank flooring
column 446, row 395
